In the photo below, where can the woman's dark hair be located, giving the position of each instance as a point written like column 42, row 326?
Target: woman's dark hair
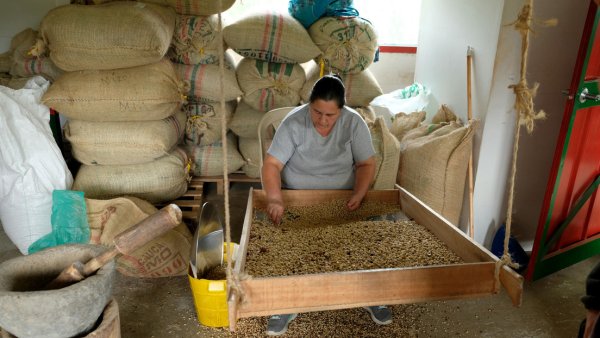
column 327, row 88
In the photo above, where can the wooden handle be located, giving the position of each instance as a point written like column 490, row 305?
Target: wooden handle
column 73, row 273
column 470, row 167
column 155, row 225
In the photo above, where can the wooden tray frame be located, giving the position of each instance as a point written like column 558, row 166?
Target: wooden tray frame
column 351, row 289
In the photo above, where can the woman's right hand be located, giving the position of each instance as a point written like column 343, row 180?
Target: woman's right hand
column 275, row 210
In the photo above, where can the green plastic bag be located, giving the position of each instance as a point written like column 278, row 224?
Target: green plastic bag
column 69, row 221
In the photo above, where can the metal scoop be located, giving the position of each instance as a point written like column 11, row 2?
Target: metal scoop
column 207, row 246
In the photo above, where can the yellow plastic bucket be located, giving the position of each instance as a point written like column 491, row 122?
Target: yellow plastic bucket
column 210, row 297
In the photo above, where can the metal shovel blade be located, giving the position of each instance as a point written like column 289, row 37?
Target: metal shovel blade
column 207, row 246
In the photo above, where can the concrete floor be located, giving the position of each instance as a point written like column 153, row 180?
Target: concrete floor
column 551, row 306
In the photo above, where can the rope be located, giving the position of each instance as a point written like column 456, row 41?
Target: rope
column 233, row 281
column 526, row 117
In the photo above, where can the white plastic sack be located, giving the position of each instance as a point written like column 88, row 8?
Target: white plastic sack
column 406, row 100
column 31, row 164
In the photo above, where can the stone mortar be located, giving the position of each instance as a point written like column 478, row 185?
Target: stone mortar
column 25, row 311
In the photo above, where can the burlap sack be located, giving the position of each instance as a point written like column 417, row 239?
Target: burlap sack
column 402, row 123
column 166, row 255
column 145, row 93
column 271, row 37
column 387, row 155
column 196, row 40
column 203, row 126
column 367, row 113
column 433, row 167
column 195, row 7
column 444, row 114
column 361, row 88
column 270, row 85
column 22, row 64
column 203, row 81
column 162, row 180
column 35, row 66
column 348, row 44
column 5, row 62
column 250, row 151
column 109, row 36
column 15, row 82
column 420, row 131
column 245, row 120
column 208, row 160
column 121, row 143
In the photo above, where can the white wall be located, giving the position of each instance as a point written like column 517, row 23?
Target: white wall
column 447, row 29
column 16, row 15
column 394, row 70
column 498, row 132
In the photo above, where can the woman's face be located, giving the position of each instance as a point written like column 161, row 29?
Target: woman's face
column 324, row 114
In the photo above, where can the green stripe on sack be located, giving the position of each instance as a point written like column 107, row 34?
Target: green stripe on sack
column 190, row 26
column 274, row 68
column 260, row 66
column 272, row 36
column 289, row 67
column 31, row 68
column 195, row 69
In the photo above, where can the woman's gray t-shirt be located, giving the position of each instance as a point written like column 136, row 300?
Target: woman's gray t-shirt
column 312, row 161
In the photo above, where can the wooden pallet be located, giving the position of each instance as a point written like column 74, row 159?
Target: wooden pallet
column 191, row 202
column 233, row 177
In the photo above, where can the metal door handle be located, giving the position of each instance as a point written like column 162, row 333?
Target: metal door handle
column 585, row 95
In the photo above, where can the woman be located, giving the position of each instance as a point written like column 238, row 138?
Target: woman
column 320, row 145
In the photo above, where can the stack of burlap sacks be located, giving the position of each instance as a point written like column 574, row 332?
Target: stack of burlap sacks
column 195, row 51
column 434, row 158
column 270, row 75
column 17, row 65
column 348, row 46
column 122, row 98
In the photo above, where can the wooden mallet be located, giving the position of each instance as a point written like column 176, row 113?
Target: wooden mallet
column 124, row 243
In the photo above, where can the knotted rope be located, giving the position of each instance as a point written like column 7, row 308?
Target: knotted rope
column 233, row 280
column 526, row 115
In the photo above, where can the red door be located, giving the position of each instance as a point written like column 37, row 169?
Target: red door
column 569, row 227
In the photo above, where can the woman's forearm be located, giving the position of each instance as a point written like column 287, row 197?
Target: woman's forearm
column 365, row 172
column 271, row 178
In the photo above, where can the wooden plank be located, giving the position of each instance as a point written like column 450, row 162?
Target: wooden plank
column 341, row 290
column 193, row 204
column 513, row 284
column 220, row 181
column 237, row 177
